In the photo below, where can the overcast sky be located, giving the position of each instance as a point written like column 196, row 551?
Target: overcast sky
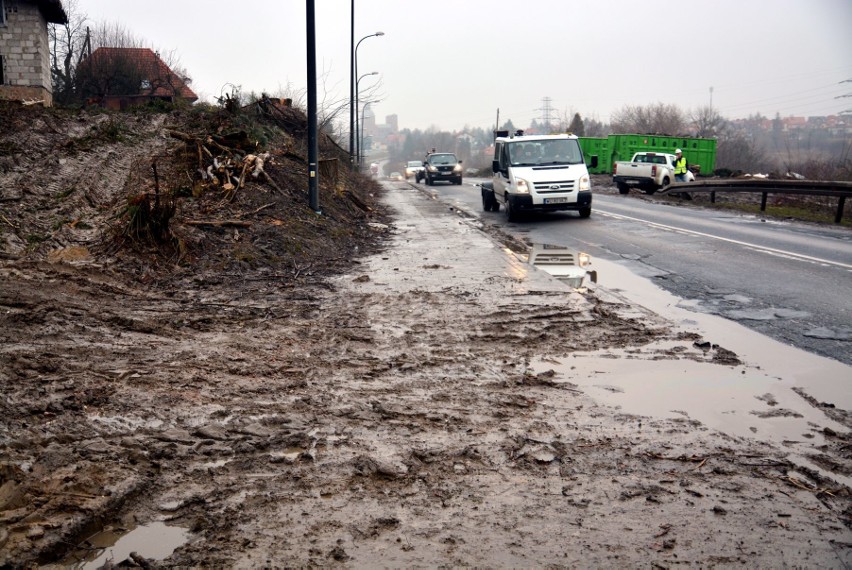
column 451, row 63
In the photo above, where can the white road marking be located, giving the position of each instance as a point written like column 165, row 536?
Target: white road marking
column 763, row 248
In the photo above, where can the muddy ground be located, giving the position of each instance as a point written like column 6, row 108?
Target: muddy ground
column 348, row 389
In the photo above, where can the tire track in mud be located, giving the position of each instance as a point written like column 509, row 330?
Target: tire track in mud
column 85, row 176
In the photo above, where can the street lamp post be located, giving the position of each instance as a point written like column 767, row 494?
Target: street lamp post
column 361, row 140
column 357, row 125
column 353, row 103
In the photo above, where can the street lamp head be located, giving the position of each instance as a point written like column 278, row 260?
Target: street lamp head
column 358, row 82
column 380, row 33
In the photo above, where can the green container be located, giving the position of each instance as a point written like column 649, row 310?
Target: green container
column 698, row 152
column 596, row 146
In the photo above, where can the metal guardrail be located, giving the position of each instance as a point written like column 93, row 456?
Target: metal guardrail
column 836, row 189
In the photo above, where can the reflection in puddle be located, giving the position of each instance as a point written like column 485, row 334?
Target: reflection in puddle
column 155, row 541
column 565, row 264
column 669, row 379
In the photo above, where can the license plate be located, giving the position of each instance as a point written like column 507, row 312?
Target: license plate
column 555, row 200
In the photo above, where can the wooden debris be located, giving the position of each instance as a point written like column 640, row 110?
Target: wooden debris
column 224, row 163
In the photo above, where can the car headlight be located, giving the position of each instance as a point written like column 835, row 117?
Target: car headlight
column 457, row 168
column 522, row 186
column 583, row 259
column 431, row 168
column 585, row 183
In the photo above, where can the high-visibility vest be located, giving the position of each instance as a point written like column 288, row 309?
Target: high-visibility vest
column 680, row 166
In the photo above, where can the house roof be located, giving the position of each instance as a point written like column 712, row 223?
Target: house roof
column 52, row 11
column 161, row 78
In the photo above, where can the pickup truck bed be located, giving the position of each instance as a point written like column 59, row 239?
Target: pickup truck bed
column 650, row 171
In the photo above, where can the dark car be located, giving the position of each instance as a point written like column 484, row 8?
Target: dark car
column 441, row 166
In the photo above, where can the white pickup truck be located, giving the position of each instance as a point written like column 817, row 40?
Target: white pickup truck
column 650, row 171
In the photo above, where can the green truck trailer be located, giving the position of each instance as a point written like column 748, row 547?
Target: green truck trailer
column 611, row 149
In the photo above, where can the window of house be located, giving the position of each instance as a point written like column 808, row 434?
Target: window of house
column 2, row 70
column 2, row 13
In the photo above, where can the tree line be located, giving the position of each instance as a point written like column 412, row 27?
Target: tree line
column 741, row 146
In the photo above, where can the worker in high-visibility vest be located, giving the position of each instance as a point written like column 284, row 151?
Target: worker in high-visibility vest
column 681, row 166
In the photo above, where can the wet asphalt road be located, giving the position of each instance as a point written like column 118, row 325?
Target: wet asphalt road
column 790, row 281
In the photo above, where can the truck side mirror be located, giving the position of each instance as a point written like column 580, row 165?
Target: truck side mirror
column 594, row 163
column 495, row 166
column 460, row 162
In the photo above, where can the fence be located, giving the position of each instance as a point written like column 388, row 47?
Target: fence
column 837, row 189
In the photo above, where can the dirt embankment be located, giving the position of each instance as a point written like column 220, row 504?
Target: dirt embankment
column 223, row 380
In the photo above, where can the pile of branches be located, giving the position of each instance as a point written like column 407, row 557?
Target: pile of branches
column 225, row 162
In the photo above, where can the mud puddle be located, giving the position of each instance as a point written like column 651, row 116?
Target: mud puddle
column 154, row 541
column 757, row 395
column 825, row 379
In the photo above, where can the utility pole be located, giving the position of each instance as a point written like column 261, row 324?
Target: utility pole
column 711, row 97
column 352, row 73
column 497, row 124
column 313, row 142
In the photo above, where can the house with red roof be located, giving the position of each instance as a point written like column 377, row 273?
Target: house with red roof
column 25, row 49
column 118, row 78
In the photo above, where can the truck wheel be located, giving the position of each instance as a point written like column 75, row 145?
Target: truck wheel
column 585, row 212
column 623, row 188
column 486, row 201
column 511, row 214
column 495, row 205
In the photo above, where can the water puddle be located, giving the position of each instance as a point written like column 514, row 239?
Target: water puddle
column 289, row 455
column 738, row 400
column 154, row 541
column 214, row 464
column 825, row 379
column 676, row 379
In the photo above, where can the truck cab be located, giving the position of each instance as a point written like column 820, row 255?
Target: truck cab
column 538, row 173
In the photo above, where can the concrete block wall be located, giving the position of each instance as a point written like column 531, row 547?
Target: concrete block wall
column 25, row 49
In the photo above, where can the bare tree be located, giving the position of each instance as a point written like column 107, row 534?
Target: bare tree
column 659, row 119
column 706, row 122
column 739, row 154
column 595, row 128
column 110, row 72
column 116, row 73
column 66, row 45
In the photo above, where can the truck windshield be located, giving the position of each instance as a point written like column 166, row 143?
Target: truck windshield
column 533, row 153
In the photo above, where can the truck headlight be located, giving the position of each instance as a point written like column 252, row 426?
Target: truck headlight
column 583, row 259
column 585, row 183
column 522, row 186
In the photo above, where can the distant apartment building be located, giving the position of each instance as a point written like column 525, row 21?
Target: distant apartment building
column 380, row 134
column 25, row 49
